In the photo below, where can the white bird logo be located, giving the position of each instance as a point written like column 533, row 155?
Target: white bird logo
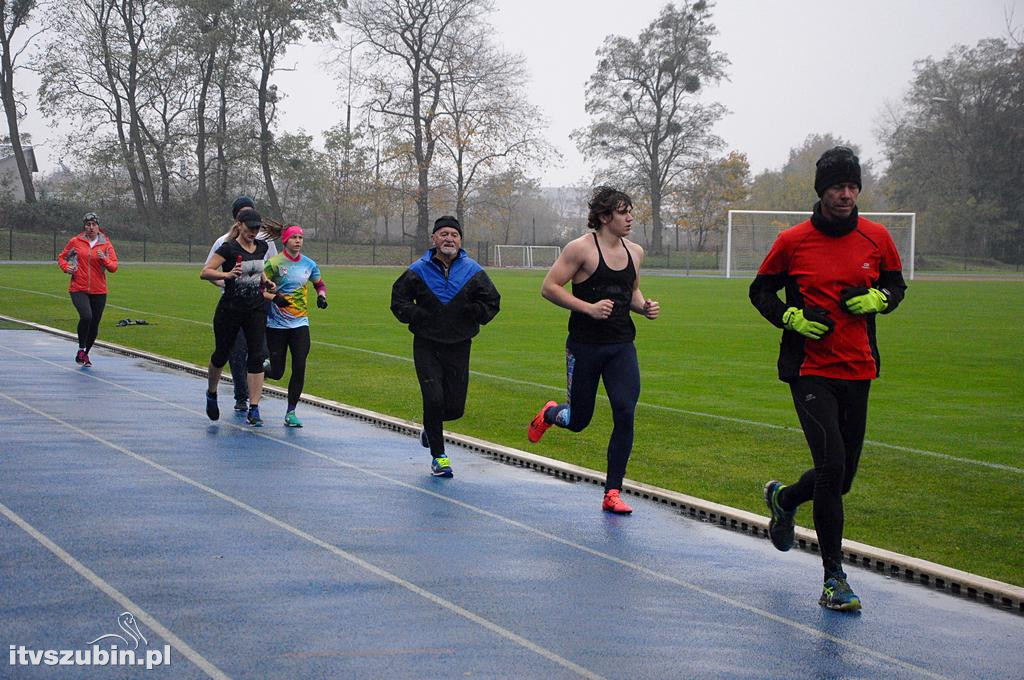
column 127, row 623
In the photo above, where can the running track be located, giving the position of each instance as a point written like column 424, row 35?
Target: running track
column 328, row 551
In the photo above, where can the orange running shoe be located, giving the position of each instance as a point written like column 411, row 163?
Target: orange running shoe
column 614, row 503
column 538, row 426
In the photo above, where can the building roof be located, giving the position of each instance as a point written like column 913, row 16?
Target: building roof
column 7, row 151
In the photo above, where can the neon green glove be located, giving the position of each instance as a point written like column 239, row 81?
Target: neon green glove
column 863, row 300
column 810, row 323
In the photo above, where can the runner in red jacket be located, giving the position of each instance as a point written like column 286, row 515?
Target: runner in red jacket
column 87, row 258
column 839, row 272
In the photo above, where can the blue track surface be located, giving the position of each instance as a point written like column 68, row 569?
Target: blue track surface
column 329, row 551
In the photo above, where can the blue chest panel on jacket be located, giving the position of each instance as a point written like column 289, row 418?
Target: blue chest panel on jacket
column 432, row 273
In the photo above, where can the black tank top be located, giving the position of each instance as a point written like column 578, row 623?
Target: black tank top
column 610, row 284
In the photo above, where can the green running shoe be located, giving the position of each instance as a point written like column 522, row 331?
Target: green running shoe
column 781, row 529
column 441, row 467
column 291, row 420
column 837, row 594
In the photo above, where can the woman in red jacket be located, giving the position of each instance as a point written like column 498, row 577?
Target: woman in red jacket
column 87, row 258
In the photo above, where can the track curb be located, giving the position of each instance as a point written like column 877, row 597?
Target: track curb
column 895, row 565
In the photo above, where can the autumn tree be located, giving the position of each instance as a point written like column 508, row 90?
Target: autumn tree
column 792, row 186
column 715, row 186
column 647, row 119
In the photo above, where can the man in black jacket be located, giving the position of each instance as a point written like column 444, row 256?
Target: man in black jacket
column 444, row 297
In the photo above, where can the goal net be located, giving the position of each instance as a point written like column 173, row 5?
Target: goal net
column 751, row 233
column 526, row 256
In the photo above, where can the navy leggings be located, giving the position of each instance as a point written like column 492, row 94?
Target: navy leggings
column 833, row 414
column 616, row 365
column 90, row 311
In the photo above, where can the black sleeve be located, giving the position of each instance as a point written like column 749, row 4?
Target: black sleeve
column 226, row 251
column 486, row 300
column 403, row 298
column 892, row 284
column 764, row 296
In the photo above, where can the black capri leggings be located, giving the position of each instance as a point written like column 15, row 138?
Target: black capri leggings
column 90, row 311
column 280, row 341
column 226, row 323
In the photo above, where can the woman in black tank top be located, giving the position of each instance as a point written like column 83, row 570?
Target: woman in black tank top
column 605, row 284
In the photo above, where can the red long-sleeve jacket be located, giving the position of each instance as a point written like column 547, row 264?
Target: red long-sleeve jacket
column 90, row 271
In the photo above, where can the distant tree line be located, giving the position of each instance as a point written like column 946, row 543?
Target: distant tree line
column 176, row 111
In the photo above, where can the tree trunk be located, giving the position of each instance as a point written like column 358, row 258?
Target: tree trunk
column 656, row 246
column 202, row 192
column 10, row 107
column 266, row 141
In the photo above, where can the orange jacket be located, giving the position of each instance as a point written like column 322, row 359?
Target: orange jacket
column 88, row 271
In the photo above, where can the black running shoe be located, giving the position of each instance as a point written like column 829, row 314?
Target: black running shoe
column 781, row 529
column 212, row 410
column 837, row 594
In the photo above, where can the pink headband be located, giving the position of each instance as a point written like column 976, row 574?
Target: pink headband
column 289, row 232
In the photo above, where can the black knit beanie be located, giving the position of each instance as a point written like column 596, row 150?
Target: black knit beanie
column 241, row 202
column 447, row 221
column 837, row 165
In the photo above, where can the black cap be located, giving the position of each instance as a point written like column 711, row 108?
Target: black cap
column 837, row 165
column 447, row 221
column 251, row 218
column 241, row 202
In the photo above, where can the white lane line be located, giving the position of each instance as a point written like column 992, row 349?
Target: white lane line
column 528, row 528
column 113, row 593
column 558, row 390
column 334, row 550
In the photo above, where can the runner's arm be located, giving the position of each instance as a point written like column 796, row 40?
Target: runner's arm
column 565, row 267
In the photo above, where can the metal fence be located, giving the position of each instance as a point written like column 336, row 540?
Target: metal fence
column 25, row 246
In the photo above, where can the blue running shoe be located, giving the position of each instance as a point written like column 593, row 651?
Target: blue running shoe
column 212, row 410
column 254, row 417
column 837, row 594
column 441, row 467
column 423, row 438
column 781, row 530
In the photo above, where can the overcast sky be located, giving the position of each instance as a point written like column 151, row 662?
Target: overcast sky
column 798, row 66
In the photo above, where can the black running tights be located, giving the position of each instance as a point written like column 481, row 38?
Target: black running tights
column 90, row 311
column 833, row 415
column 443, row 373
column 280, row 341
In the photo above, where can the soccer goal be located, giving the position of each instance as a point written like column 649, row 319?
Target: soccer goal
column 526, row 256
column 751, row 233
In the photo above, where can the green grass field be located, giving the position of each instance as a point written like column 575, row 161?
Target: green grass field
column 941, row 477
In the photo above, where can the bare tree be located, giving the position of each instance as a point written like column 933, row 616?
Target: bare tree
column 278, row 24
column 407, row 70
column 488, row 122
column 14, row 15
column 643, row 98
